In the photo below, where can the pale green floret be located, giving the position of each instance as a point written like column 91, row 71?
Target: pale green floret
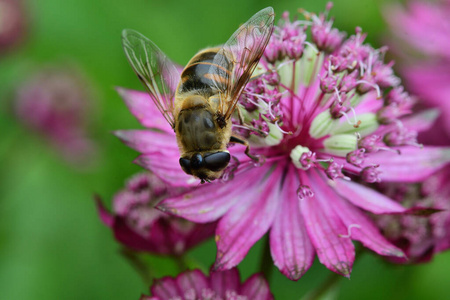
column 340, row 144
column 368, row 124
column 286, row 74
column 310, row 64
column 355, row 99
column 296, row 153
column 274, row 137
column 322, row 125
column 306, row 69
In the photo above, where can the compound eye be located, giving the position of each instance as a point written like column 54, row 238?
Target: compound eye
column 185, row 165
column 217, row 161
column 197, row 161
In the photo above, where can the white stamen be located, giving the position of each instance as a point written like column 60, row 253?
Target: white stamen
column 349, row 229
column 329, row 160
column 361, row 68
column 285, row 63
column 313, row 47
column 375, row 86
column 337, row 94
column 302, row 22
column 354, row 113
column 282, row 131
column 369, row 67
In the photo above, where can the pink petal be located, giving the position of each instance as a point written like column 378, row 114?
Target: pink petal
column 443, row 242
column 429, row 80
column 414, row 164
column 256, row 288
column 165, row 288
column 361, row 228
column 105, row 216
column 421, row 121
column 366, row 198
column 142, row 107
column 247, row 221
column 290, row 246
column 148, row 141
column 128, row 237
column 325, row 228
column 211, row 201
column 160, row 156
column 166, row 168
column 192, row 281
column 371, row 103
column 423, row 25
column 224, row 281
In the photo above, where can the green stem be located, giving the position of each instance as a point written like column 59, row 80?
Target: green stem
column 181, row 263
column 323, row 288
column 331, row 281
column 138, row 264
column 266, row 263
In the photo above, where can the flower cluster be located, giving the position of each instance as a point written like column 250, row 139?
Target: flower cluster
column 422, row 33
column 13, row 23
column 425, row 27
column 218, row 286
column 328, row 114
column 55, row 103
column 138, row 225
column 420, row 236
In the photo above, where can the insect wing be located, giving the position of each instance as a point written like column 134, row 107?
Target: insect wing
column 243, row 50
column 157, row 72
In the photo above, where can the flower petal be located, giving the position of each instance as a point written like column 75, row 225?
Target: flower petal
column 191, row 281
column 361, row 228
column 366, row 198
column 148, row 141
column 412, row 165
column 160, row 155
column 165, row 288
column 128, row 237
column 224, row 281
column 142, row 107
column 430, row 82
column 421, row 121
column 246, row 222
column 165, row 168
column 256, row 288
column 105, row 216
column 211, row 201
column 290, row 246
column 325, row 228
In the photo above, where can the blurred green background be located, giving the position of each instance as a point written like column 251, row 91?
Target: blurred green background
column 52, row 245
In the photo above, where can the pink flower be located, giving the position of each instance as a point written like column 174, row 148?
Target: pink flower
column 139, row 226
column 421, row 237
column 56, row 103
column 13, row 23
column 218, row 286
column 325, row 120
column 425, row 27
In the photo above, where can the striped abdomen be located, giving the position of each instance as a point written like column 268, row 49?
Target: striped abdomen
column 204, row 76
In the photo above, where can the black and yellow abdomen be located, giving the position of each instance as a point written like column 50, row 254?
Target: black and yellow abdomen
column 205, row 72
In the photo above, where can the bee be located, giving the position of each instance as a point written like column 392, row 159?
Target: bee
column 199, row 102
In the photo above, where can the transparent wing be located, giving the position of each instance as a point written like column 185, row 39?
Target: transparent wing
column 157, row 72
column 243, row 51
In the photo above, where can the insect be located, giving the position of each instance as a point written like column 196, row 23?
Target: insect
column 199, row 102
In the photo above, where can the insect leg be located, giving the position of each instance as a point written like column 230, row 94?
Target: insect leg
column 249, row 127
column 238, row 140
